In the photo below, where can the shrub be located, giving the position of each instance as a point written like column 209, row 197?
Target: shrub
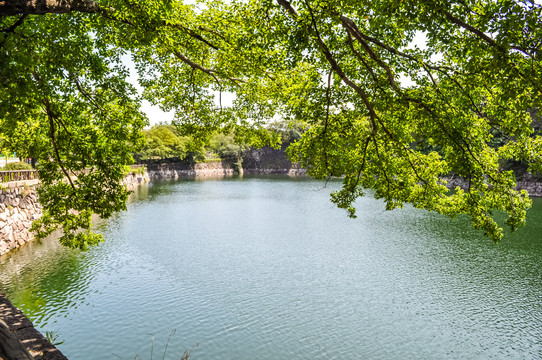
column 139, row 170
column 18, row 166
column 226, row 147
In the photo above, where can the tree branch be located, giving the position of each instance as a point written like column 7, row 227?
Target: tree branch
column 15, row 25
column 365, row 64
column 352, row 29
column 210, row 72
column 328, row 98
column 472, row 29
column 195, row 35
column 335, row 66
column 482, row 35
column 51, row 116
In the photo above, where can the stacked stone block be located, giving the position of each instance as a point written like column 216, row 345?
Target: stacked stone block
column 19, row 207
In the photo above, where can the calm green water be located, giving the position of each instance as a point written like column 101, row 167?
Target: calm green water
column 267, row 268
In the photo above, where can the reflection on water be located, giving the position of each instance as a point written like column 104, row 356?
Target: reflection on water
column 44, row 279
column 267, row 268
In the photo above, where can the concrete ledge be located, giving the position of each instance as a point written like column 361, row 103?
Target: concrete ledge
column 22, row 329
column 19, row 183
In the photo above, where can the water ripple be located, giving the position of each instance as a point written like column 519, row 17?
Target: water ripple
column 267, row 269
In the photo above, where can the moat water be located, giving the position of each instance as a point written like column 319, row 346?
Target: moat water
column 267, row 268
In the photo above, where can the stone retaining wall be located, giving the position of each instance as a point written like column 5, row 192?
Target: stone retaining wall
column 133, row 180
column 22, row 334
column 534, row 188
column 182, row 169
column 270, row 161
column 264, row 161
column 19, row 207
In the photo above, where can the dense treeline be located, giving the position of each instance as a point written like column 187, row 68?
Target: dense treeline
column 170, row 141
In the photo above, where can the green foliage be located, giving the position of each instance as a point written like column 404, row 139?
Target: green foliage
column 66, row 102
column 345, row 80
column 196, row 144
column 126, row 170
column 226, row 147
column 17, row 166
column 162, row 141
column 139, row 170
column 136, row 170
column 53, row 337
column 288, row 132
column 374, row 108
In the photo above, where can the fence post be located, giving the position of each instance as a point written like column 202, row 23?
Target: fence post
column 16, row 175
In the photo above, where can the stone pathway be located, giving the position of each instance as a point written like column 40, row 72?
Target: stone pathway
column 23, row 330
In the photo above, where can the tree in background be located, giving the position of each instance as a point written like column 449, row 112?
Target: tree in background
column 161, row 141
column 166, row 141
column 226, row 146
column 345, row 70
column 289, row 132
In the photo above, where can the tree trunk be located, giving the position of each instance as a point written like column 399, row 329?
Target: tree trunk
column 40, row 7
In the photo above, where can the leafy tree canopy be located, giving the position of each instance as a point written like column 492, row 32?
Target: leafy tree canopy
column 383, row 113
column 161, row 141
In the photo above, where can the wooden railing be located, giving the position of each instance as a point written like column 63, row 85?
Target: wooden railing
column 16, row 175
